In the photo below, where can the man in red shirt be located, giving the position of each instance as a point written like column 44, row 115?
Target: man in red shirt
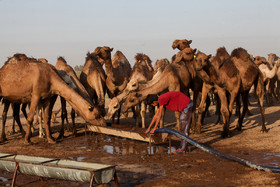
column 175, row 101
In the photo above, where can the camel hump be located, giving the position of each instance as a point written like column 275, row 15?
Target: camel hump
column 240, row 53
column 222, row 53
column 140, row 58
column 61, row 59
column 119, row 59
column 18, row 57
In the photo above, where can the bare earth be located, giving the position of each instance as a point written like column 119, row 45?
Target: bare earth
column 137, row 166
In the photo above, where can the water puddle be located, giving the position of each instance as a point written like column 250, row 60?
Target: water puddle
column 112, row 145
column 3, row 179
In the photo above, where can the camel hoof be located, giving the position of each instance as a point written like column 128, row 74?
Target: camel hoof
column 51, row 141
column 225, row 135
column 27, row 142
column 3, row 139
column 264, row 130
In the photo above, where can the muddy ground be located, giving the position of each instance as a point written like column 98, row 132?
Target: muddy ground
column 138, row 166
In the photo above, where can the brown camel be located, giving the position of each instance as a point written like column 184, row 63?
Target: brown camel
column 23, row 81
column 142, row 72
column 63, row 68
column 93, row 78
column 220, row 75
column 175, row 77
column 181, row 44
column 196, row 81
column 118, row 71
column 250, row 75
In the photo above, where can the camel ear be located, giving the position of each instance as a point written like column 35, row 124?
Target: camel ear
column 178, row 58
column 190, row 42
column 111, row 49
column 194, row 50
column 208, row 57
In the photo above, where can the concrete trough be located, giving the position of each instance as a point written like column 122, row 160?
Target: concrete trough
column 58, row 168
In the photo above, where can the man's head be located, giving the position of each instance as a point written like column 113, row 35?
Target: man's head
column 152, row 99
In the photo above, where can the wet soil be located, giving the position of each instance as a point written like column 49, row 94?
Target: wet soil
column 138, row 165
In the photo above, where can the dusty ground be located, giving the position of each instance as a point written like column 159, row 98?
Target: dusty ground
column 137, row 166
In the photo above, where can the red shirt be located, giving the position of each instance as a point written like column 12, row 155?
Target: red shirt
column 175, row 101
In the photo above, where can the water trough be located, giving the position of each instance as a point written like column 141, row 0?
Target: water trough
column 56, row 168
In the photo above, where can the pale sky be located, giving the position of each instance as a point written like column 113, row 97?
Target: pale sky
column 68, row 28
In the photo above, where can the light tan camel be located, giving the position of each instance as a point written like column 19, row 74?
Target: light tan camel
column 274, row 83
column 142, row 72
column 118, row 71
column 93, row 78
column 23, row 81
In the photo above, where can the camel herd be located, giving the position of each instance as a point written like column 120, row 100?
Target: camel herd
column 35, row 82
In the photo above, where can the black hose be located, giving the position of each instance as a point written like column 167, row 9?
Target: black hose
column 219, row 154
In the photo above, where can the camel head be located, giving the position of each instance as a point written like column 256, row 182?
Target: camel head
column 103, row 53
column 201, row 60
column 141, row 58
column 181, row 44
column 222, row 53
column 160, row 65
column 131, row 100
column 94, row 116
column 185, row 55
column 113, row 107
column 132, row 85
column 260, row 60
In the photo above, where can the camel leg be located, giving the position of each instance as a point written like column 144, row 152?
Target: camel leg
column 4, row 118
column 244, row 110
column 205, row 90
column 137, row 111
column 23, row 110
column 74, row 131
column 218, row 109
column 16, row 108
column 224, row 112
column 233, row 96
column 33, row 104
column 143, row 113
column 260, row 93
column 40, row 118
column 208, row 102
column 195, row 97
column 47, row 120
column 63, row 116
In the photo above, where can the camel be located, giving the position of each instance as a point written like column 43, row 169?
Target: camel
column 196, row 82
column 220, row 75
column 135, row 84
column 267, row 72
column 93, row 78
column 118, row 71
column 142, row 72
column 250, row 75
column 63, row 68
column 175, row 77
column 181, row 44
column 24, row 80
column 274, row 83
